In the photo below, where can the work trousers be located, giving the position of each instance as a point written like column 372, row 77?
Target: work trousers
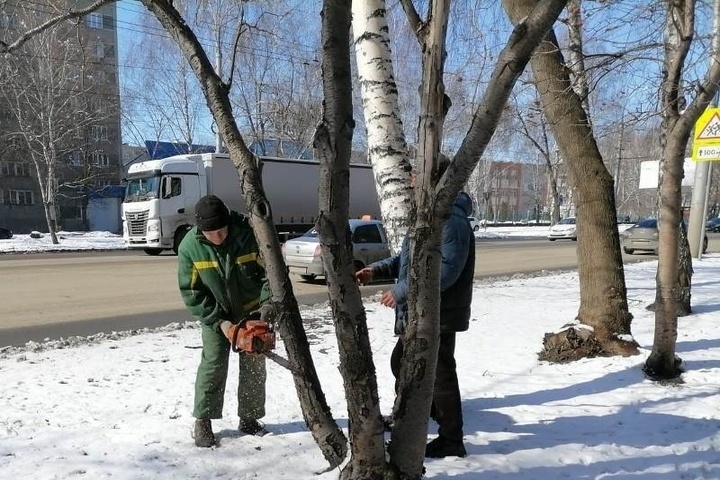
column 446, row 404
column 212, row 375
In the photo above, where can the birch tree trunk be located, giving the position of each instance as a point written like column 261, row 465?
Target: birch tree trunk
column 603, row 295
column 332, row 146
column 662, row 363
column 387, row 150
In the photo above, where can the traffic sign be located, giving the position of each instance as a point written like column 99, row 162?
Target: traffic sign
column 706, row 137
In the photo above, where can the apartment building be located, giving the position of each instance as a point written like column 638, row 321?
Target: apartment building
column 512, row 192
column 59, row 115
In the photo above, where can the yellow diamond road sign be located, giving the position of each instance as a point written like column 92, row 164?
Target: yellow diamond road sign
column 706, row 137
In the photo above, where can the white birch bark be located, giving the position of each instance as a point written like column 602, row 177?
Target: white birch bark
column 387, row 149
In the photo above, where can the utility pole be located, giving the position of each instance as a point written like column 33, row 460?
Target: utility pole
column 703, row 170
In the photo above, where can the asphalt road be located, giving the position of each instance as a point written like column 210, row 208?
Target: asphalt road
column 54, row 295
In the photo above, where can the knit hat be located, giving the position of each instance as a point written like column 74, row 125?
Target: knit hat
column 211, row 213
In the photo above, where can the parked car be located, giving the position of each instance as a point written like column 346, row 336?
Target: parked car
column 5, row 233
column 474, row 224
column 303, row 256
column 643, row 236
column 713, row 225
column 564, row 229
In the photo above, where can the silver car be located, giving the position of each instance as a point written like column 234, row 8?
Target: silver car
column 643, row 236
column 303, row 256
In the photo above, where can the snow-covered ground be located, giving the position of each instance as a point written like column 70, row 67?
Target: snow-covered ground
column 119, row 405
column 68, row 241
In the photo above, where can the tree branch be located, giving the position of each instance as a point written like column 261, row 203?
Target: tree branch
column 7, row 48
column 511, row 63
column 416, row 23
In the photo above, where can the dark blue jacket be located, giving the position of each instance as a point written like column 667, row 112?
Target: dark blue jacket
column 456, row 271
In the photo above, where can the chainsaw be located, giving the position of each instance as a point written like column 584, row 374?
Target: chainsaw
column 255, row 336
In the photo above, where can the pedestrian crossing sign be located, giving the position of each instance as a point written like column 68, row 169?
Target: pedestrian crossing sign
column 706, row 137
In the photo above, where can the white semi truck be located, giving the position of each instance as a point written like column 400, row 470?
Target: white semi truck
column 160, row 196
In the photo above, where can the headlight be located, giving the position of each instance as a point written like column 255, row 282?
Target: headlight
column 153, row 227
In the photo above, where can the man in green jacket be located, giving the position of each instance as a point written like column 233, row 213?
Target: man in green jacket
column 222, row 279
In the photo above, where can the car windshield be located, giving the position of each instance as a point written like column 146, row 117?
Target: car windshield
column 648, row 223
column 140, row 189
column 567, row 221
column 312, row 233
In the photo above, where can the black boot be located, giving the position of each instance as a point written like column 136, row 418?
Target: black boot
column 253, row 427
column 202, row 433
column 442, row 447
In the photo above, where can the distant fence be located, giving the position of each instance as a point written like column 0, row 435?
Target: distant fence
column 518, row 223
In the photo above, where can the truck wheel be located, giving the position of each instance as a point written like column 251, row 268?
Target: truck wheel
column 629, row 251
column 308, row 278
column 153, row 251
column 179, row 235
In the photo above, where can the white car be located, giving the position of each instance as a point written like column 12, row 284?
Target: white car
column 474, row 224
column 564, row 229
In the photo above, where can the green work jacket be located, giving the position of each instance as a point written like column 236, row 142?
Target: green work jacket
column 222, row 282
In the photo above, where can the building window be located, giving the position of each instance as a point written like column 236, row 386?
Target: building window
column 108, row 22
column 14, row 143
column 99, row 50
column 98, row 78
column 94, row 20
column 103, row 183
column 75, row 158
column 14, row 169
column 8, row 21
column 20, row 197
column 100, row 159
column 21, row 169
column 99, row 132
column 98, row 105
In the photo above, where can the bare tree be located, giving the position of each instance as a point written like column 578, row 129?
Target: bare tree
column 603, row 295
column 532, row 125
column 678, row 122
column 157, row 107
column 53, row 98
column 279, row 97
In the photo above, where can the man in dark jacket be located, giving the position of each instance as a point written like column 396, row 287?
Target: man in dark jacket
column 222, row 279
column 456, row 282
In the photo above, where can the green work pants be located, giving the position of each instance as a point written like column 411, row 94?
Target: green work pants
column 212, row 374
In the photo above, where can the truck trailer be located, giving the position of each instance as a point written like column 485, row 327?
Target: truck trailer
column 160, row 196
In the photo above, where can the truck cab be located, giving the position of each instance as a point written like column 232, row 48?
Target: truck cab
column 159, row 203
